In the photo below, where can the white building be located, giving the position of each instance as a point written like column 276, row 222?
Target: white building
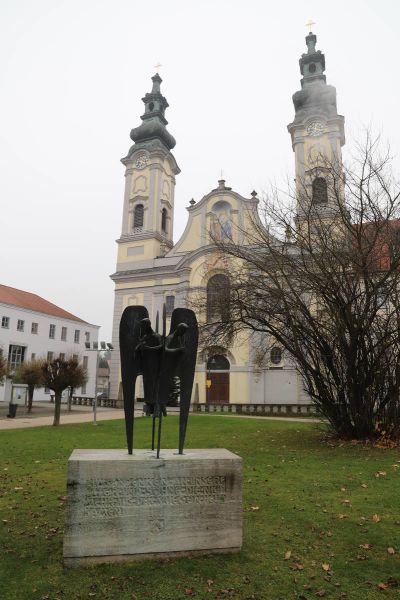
column 31, row 328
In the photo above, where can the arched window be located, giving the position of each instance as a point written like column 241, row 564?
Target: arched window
column 276, row 355
column 164, row 215
column 218, row 362
column 319, row 191
column 218, row 298
column 138, row 215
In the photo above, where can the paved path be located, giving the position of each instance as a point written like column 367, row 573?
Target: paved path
column 42, row 414
column 295, row 419
column 85, row 415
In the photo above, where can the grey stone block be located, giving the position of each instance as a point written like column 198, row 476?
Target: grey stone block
column 123, row 507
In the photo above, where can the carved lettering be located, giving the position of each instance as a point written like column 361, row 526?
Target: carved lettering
column 112, row 498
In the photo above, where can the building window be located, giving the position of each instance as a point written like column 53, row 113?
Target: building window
column 5, row 322
column 164, row 215
column 138, row 216
column 47, row 390
column 64, row 334
column 50, row 356
column 218, row 298
column 319, row 191
column 35, row 328
column 16, row 356
column 62, row 356
column 33, row 356
column 52, row 332
column 169, row 305
column 276, row 355
column 218, row 362
column 87, row 336
column 75, row 357
column 20, row 325
column 83, row 389
column 77, row 335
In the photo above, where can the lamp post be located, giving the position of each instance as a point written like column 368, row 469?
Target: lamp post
column 95, row 348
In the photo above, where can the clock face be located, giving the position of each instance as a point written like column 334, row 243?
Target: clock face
column 315, row 128
column 141, row 161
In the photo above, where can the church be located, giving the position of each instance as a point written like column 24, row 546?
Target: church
column 152, row 271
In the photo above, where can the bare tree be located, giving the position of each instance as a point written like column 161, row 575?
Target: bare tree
column 31, row 373
column 59, row 374
column 318, row 274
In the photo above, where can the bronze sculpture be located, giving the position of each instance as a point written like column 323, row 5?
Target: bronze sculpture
column 158, row 358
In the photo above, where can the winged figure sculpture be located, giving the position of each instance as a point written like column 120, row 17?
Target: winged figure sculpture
column 159, row 359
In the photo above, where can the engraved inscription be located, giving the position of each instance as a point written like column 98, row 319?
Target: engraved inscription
column 111, row 498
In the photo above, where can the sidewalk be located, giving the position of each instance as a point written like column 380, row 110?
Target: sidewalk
column 43, row 413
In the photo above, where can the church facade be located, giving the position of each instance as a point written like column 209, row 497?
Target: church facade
column 152, row 270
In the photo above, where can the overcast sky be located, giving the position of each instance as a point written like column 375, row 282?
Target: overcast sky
column 72, row 77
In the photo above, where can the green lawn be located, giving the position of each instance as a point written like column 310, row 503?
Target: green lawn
column 331, row 510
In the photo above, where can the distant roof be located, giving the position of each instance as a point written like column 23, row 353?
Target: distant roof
column 14, row 297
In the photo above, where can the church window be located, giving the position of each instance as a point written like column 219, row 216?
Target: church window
column 151, row 106
column 276, row 355
column 169, row 305
column 319, row 191
column 138, row 215
column 312, row 68
column 164, row 220
column 218, row 298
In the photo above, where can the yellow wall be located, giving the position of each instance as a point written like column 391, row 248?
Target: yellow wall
column 151, row 248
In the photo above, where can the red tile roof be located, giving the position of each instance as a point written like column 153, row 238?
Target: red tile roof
column 14, row 297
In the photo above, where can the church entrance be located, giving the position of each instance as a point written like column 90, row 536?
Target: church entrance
column 217, row 381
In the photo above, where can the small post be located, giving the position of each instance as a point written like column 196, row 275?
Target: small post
column 159, row 434
column 154, row 427
column 95, row 411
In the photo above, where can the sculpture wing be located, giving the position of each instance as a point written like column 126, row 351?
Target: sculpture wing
column 129, row 334
column 186, row 365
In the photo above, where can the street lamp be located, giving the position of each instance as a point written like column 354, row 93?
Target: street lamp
column 95, row 348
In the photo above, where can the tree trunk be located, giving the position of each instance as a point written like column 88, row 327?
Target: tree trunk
column 31, row 389
column 71, row 391
column 57, row 407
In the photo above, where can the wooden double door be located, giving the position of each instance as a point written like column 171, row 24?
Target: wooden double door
column 218, row 392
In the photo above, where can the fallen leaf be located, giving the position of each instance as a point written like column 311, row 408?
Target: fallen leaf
column 297, row 567
column 255, row 508
column 376, row 518
column 288, row 554
column 382, row 586
column 189, row 591
column 364, row 485
column 341, row 516
column 380, row 474
column 365, row 546
column 391, row 550
column 320, row 593
column 325, row 566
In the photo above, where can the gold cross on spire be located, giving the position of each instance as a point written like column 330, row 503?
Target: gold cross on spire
column 157, row 67
column 309, row 24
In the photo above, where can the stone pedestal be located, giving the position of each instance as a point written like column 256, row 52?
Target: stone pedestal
column 123, row 507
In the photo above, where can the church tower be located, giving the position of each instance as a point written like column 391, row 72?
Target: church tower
column 317, row 134
column 148, row 212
